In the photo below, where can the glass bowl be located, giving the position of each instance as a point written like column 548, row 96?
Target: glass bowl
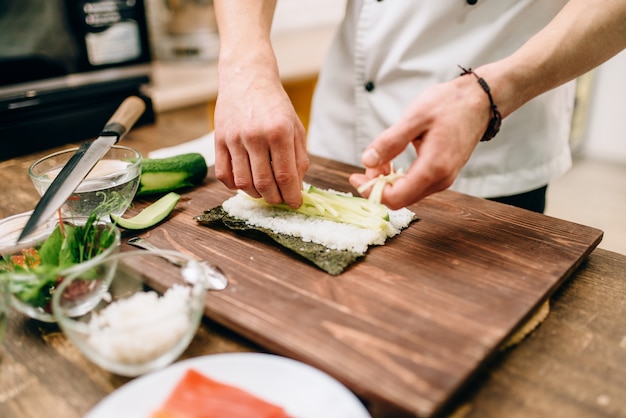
column 31, row 284
column 135, row 329
column 5, row 306
column 109, row 188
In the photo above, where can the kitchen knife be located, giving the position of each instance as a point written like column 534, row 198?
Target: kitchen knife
column 81, row 163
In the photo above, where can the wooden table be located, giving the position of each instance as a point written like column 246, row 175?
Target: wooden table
column 573, row 365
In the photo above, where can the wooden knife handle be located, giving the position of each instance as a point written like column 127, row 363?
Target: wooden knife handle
column 124, row 117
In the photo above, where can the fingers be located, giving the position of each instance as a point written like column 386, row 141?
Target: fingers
column 437, row 164
column 283, row 179
column 443, row 124
column 302, row 155
column 389, row 144
column 289, row 172
column 223, row 166
column 357, row 180
column 417, row 184
column 422, row 180
column 270, row 164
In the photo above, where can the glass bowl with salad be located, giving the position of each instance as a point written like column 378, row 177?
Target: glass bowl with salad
column 36, row 266
column 5, row 306
column 136, row 329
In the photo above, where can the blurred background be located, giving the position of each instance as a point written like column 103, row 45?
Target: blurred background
column 92, row 54
column 592, row 193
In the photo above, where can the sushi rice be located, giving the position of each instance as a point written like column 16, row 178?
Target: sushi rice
column 331, row 234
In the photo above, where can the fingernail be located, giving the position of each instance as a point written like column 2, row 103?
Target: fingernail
column 371, row 158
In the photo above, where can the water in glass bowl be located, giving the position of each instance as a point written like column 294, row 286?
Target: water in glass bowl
column 110, row 188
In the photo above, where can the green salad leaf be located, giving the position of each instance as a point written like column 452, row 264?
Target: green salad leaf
column 67, row 245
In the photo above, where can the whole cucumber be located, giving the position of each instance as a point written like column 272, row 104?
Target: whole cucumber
column 163, row 175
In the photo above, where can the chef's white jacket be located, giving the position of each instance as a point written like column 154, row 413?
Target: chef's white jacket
column 386, row 52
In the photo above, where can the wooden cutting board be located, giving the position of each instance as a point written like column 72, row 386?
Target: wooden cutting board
column 411, row 323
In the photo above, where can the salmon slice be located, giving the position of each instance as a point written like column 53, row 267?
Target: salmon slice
column 198, row 396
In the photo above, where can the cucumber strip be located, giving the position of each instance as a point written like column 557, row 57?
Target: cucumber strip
column 149, row 216
column 377, row 185
column 338, row 207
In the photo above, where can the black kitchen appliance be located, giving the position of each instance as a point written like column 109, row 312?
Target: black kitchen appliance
column 65, row 66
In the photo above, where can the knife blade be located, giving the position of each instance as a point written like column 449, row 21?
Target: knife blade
column 82, row 162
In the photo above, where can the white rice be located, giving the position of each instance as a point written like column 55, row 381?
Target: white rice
column 126, row 330
column 333, row 235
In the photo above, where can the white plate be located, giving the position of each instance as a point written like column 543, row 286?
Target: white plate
column 301, row 389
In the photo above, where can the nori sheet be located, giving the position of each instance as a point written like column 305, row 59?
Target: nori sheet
column 333, row 262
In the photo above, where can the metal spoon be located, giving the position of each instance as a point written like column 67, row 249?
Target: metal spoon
column 216, row 278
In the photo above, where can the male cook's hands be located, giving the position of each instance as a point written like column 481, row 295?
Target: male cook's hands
column 444, row 124
column 260, row 142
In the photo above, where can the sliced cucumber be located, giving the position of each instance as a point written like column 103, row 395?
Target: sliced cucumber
column 151, row 215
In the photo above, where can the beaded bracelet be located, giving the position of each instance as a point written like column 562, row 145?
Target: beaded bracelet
column 496, row 119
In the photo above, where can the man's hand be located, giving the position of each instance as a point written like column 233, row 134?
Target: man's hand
column 260, row 142
column 443, row 124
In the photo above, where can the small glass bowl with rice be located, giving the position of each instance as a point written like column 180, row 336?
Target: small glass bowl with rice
column 136, row 329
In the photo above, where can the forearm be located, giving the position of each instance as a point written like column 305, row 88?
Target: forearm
column 584, row 35
column 245, row 45
column 260, row 144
